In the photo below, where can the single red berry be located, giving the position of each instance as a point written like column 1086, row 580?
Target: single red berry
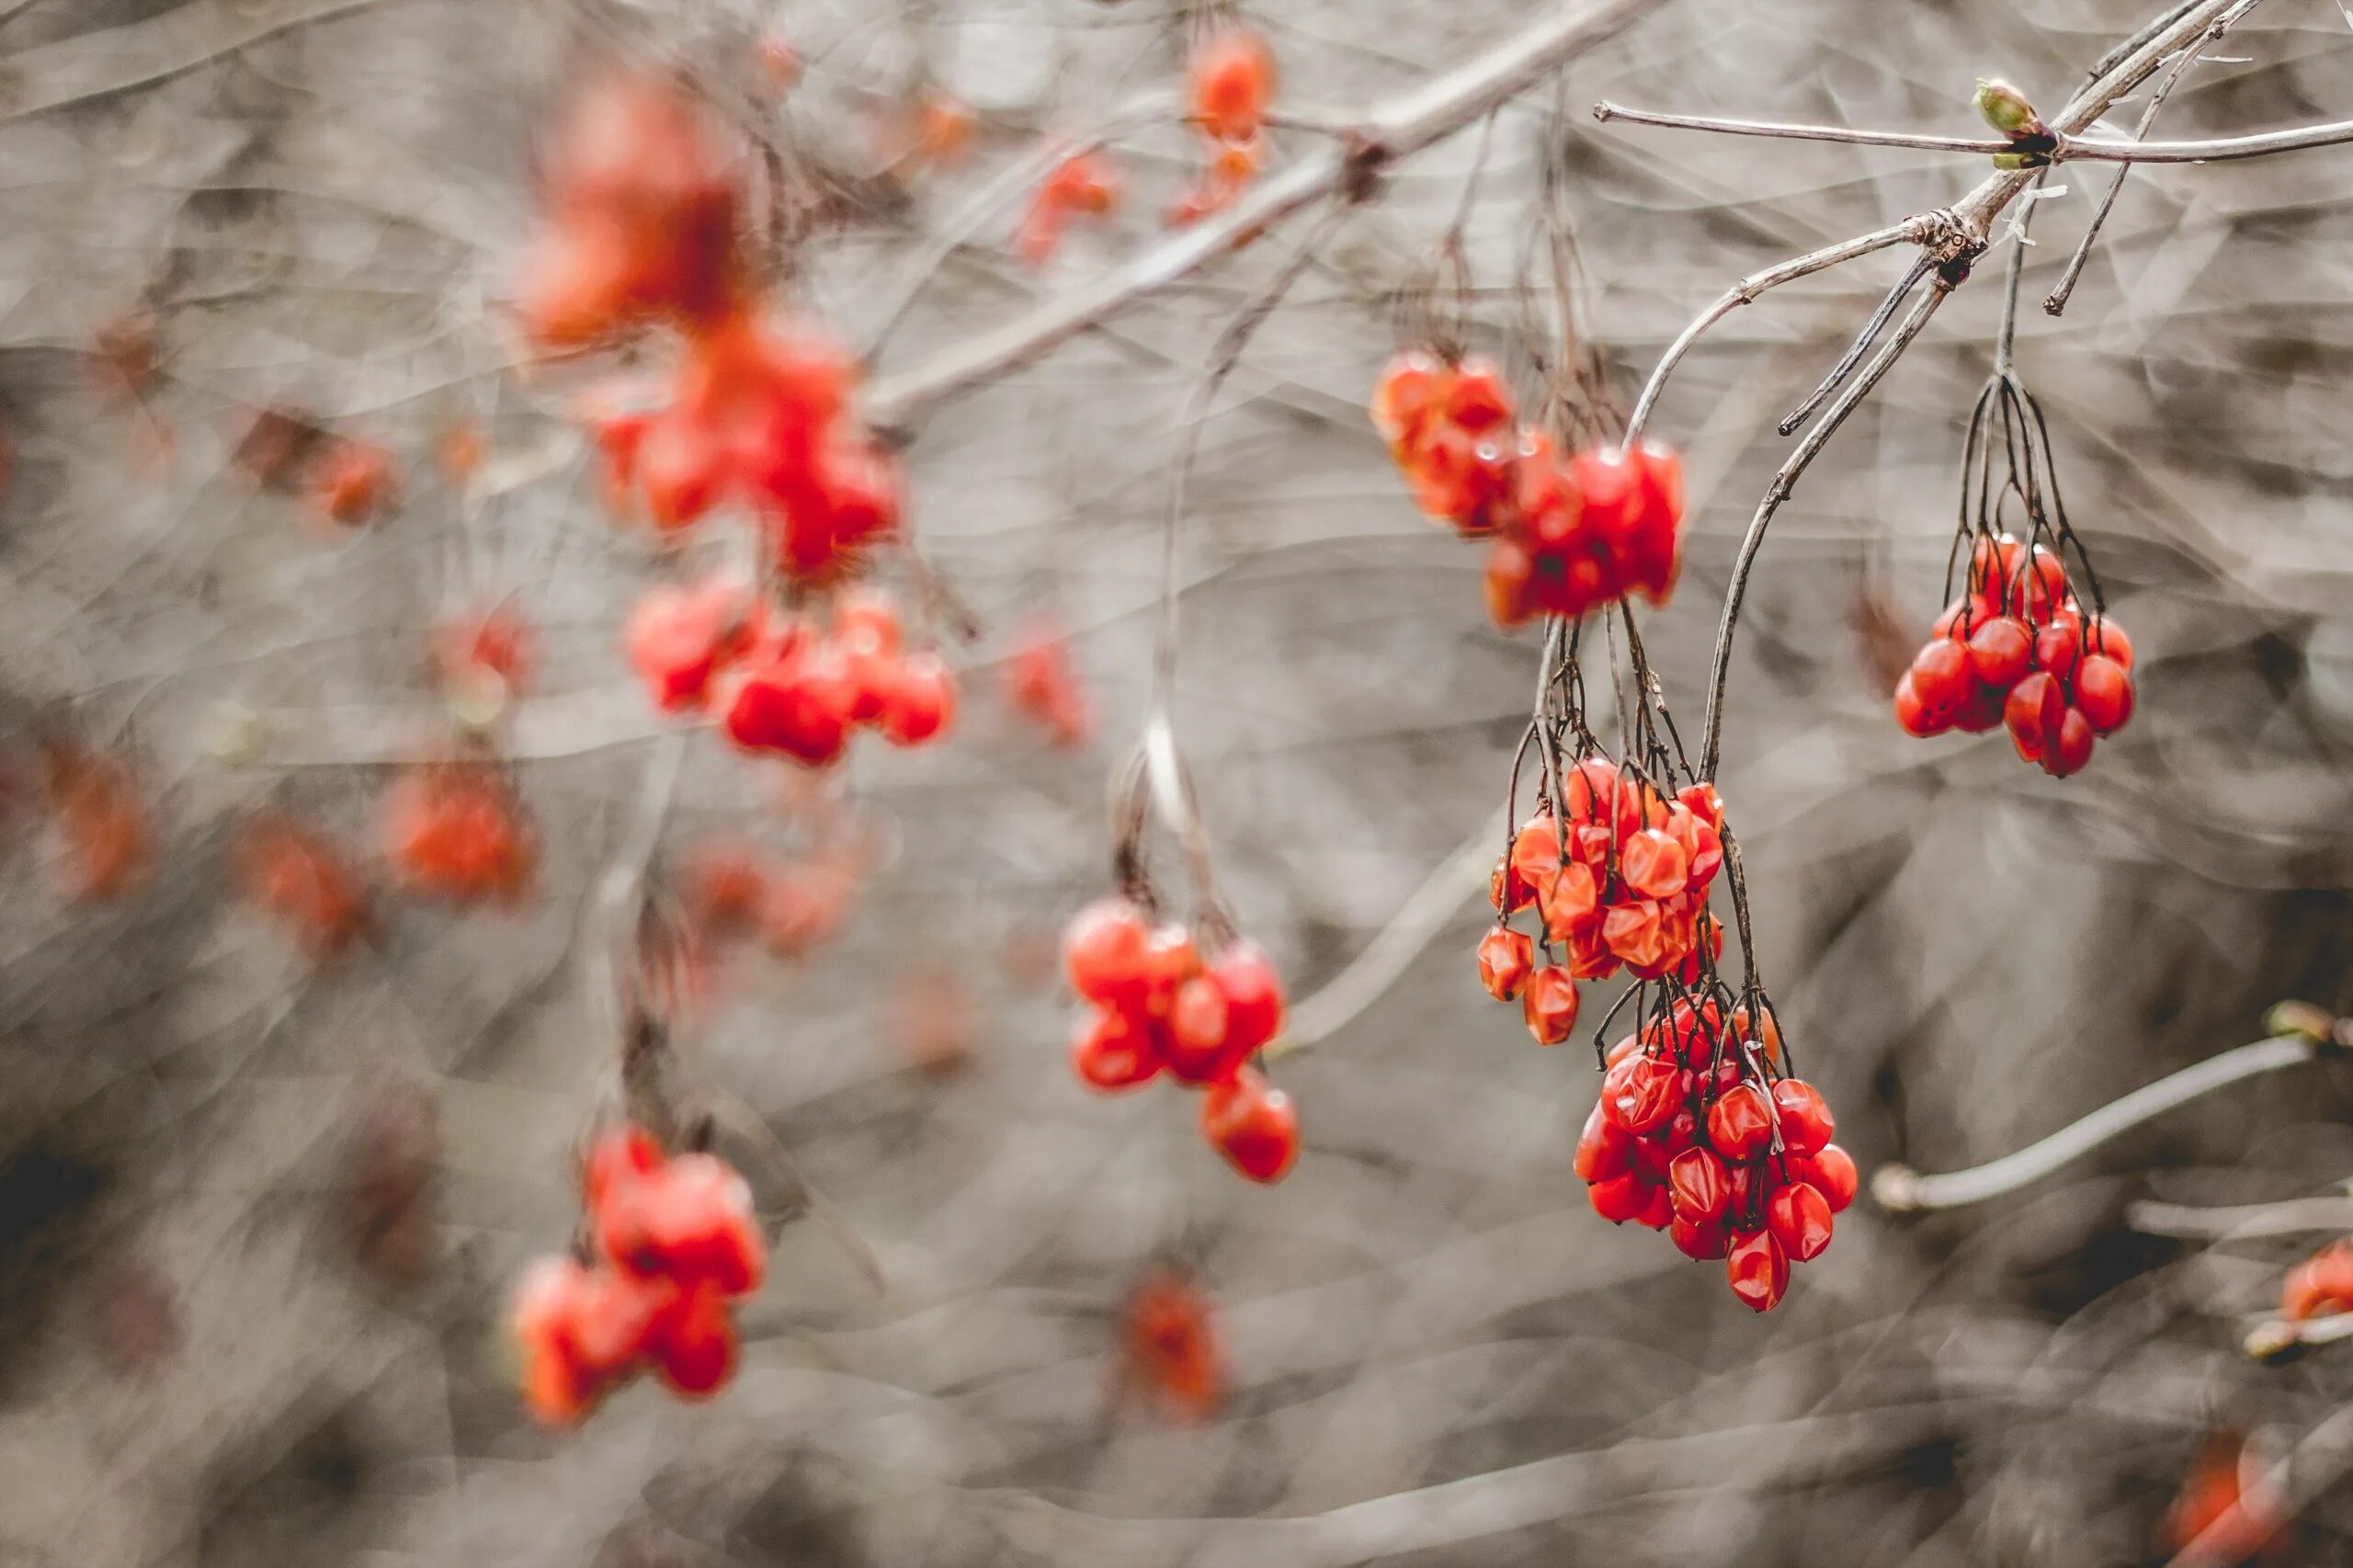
column 1805, row 1118
column 2071, row 744
column 1112, row 1051
column 1620, row 1198
column 1604, row 1149
column 1739, row 1124
column 1758, row 1268
column 2033, row 711
column 1549, row 1005
column 2104, row 692
column 1799, row 1218
column 1103, row 952
column 1232, row 82
column 1914, row 715
column 1254, row 996
column 2102, row 635
column 1703, row 1241
column 1940, row 676
column 919, row 701
column 1699, row 1186
column 1830, row 1171
column 2000, row 651
column 1253, row 1124
column 1639, row 1093
column 1200, row 1030
column 693, row 1341
column 1505, row 959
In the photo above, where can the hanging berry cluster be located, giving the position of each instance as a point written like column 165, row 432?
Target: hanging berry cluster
column 1569, row 536
column 1700, row 1134
column 453, row 831
column 675, row 1244
column 1159, row 1003
column 779, row 683
column 1615, row 864
column 2016, row 646
column 644, row 207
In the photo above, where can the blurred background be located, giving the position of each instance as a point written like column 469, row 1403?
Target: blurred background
column 259, row 1214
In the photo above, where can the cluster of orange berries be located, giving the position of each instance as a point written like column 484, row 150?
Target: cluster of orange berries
column 676, row 1245
column 1568, row 535
column 1158, row 1004
column 2017, row 649
column 1172, row 1345
column 730, row 892
column 779, row 683
column 1694, row 1135
column 1618, row 878
column 1082, row 185
column 300, row 879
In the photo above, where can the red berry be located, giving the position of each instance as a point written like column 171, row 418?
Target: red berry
column 2033, row 711
column 1699, row 1186
column 693, row 1341
column 1639, row 1093
column 1799, row 1218
column 679, row 637
column 1103, row 953
column 918, row 701
column 1506, row 959
column 1254, row 996
column 1941, row 678
column 1253, row 1124
column 796, row 701
column 1831, row 1172
column 2071, row 744
column 1549, row 1005
column 1232, row 82
column 1653, row 864
column 2104, row 692
column 2102, row 635
column 1758, row 1268
column 1604, row 1149
column 691, row 1220
column 1805, row 1118
column 1914, row 714
column 1200, row 1033
column 1113, row 1050
column 2000, row 651
column 1739, row 1124
column 1620, row 1198
column 1703, row 1243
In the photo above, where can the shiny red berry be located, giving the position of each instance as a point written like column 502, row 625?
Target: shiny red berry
column 1799, row 1218
column 1757, row 1268
column 1505, row 959
column 1739, row 1124
column 1804, row 1115
column 1253, row 1124
column 1549, row 1005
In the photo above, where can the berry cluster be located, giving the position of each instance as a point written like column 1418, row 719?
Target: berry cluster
column 1231, row 83
column 1082, row 185
column 2017, row 649
column 350, row 481
column 1697, row 1135
column 1620, row 878
column 1158, row 1003
column 643, row 207
column 676, row 1244
column 779, row 683
column 2321, row 1286
column 730, row 891
column 453, row 831
column 1570, row 536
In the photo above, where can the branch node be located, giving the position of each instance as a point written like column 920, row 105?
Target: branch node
column 1896, row 1188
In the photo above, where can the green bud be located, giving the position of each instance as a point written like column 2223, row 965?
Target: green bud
column 2020, row 160
column 2299, row 1018
column 2007, row 111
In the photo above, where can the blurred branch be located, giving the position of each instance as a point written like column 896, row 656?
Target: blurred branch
column 2056, row 302
column 2241, row 1221
column 1905, row 1191
column 1390, row 131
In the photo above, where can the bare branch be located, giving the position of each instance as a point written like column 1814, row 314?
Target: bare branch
column 1792, row 132
column 1901, row 1188
column 1390, row 131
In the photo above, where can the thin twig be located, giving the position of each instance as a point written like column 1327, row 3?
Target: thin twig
column 1844, row 368
column 1746, row 292
column 1901, row 1188
column 1795, row 132
column 2056, row 302
column 1784, row 482
column 1390, row 131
